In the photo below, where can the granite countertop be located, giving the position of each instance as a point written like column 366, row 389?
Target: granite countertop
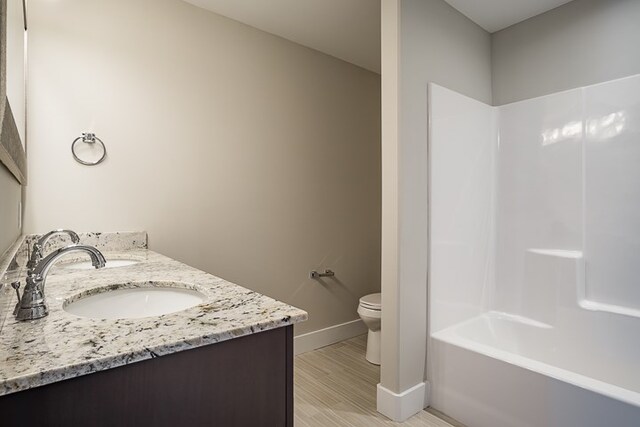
column 62, row 345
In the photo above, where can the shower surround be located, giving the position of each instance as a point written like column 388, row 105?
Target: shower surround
column 534, row 302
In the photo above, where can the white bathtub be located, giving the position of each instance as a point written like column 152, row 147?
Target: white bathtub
column 499, row 370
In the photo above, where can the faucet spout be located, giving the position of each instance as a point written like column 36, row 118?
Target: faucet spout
column 43, row 267
column 33, row 304
column 37, row 252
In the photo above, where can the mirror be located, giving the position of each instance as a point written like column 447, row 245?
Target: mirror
column 12, row 87
column 16, row 33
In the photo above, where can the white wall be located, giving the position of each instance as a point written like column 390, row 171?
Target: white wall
column 566, row 184
column 463, row 150
column 580, row 43
column 241, row 153
column 612, row 194
column 434, row 43
column 568, row 181
column 540, row 202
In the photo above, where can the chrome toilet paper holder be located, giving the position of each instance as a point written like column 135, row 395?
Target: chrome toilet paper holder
column 316, row 275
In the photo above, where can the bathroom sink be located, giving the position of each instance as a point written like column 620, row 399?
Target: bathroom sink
column 111, row 263
column 134, row 300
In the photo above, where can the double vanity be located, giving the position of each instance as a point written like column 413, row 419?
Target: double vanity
column 144, row 340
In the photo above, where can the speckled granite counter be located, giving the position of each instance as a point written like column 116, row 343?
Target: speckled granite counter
column 62, row 346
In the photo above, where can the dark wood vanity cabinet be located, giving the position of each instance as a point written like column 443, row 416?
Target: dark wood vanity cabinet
column 247, row 381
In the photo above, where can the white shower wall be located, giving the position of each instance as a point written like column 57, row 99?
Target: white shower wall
column 464, row 132
column 612, row 195
column 540, row 199
column 569, row 181
column 555, row 176
column 535, row 240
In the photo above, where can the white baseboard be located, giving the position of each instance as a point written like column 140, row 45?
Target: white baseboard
column 401, row 406
column 327, row 336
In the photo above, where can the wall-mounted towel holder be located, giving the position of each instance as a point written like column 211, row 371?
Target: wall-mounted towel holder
column 316, row 275
column 88, row 138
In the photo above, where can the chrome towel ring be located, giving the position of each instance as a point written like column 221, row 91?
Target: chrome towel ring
column 89, row 138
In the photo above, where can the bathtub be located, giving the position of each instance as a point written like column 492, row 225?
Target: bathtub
column 503, row 370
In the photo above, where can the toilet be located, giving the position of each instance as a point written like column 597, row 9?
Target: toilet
column 370, row 311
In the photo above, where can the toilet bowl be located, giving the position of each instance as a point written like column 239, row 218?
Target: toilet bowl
column 370, row 311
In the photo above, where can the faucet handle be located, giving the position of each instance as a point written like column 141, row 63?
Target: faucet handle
column 16, row 286
column 35, row 255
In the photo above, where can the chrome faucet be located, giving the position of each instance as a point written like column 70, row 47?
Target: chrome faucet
column 32, row 304
column 37, row 252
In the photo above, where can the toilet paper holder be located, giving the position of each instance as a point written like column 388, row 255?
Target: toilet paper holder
column 316, row 275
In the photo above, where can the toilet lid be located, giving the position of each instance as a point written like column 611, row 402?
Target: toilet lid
column 372, row 301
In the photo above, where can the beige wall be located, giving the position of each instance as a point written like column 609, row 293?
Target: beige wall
column 435, row 43
column 10, row 196
column 581, row 43
column 241, row 153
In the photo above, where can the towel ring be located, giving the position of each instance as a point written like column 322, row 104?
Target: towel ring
column 89, row 138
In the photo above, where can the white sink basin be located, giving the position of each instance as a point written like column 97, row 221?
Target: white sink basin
column 134, row 301
column 111, row 263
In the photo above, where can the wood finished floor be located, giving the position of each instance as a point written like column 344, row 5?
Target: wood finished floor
column 336, row 386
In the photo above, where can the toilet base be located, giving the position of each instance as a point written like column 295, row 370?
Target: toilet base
column 373, row 347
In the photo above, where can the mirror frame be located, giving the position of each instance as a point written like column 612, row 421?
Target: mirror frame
column 12, row 152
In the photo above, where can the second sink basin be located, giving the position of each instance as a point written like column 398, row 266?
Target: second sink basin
column 134, row 300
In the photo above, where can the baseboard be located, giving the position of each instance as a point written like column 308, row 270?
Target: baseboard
column 427, row 394
column 327, row 336
column 401, row 406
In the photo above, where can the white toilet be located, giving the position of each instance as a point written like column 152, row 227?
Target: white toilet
column 370, row 311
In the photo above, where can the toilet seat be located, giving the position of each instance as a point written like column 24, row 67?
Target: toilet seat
column 367, row 312
column 372, row 302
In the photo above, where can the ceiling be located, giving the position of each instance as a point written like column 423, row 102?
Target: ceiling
column 494, row 15
column 346, row 29
column 350, row 29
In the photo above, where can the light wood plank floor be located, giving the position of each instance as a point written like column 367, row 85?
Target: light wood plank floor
column 336, row 386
